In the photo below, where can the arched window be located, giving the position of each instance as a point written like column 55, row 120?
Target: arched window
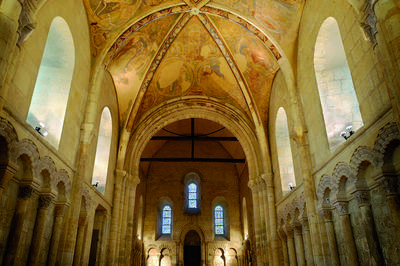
column 50, row 95
column 335, row 85
column 192, row 188
column 166, row 220
column 100, row 168
column 192, row 194
column 219, row 220
column 284, row 150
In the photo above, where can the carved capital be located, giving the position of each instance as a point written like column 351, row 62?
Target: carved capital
column 253, row 185
column 305, row 225
column 368, row 21
column 362, row 198
column 26, row 192
column 389, row 184
column 326, row 214
column 60, row 210
column 342, row 208
column 45, row 201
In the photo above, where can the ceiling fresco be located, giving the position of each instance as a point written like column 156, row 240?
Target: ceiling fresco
column 158, row 50
column 193, row 65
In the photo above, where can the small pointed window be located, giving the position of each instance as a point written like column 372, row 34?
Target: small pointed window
column 219, row 220
column 192, row 196
column 166, row 220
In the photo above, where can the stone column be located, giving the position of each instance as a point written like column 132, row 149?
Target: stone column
column 342, row 209
column 307, row 236
column 55, row 238
column 282, row 236
column 263, row 223
column 115, row 219
column 257, row 220
column 290, row 244
column 123, row 222
column 330, row 231
column 367, row 219
column 16, row 245
column 88, row 237
column 80, row 240
column 130, row 229
column 389, row 184
column 274, row 238
column 41, row 223
column 299, row 245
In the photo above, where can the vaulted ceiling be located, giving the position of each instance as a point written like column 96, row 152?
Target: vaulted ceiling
column 160, row 50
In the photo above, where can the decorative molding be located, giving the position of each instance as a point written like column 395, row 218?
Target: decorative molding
column 61, row 176
column 342, row 169
column 364, row 154
column 368, row 21
column 8, row 132
column 325, row 183
column 385, row 136
column 45, row 163
column 25, row 21
column 27, row 147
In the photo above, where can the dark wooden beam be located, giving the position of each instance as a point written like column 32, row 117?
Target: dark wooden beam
column 197, row 160
column 196, row 138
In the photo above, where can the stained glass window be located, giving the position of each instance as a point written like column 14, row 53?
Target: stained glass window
column 219, row 220
column 166, row 219
column 192, row 196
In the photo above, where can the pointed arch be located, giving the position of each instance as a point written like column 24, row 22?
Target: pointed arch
column 50, row 95
column 335, row 85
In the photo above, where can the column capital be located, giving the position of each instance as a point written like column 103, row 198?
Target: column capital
column 60, row 209
column 45, row 201
column 362, row 197
column 326, row 214
column 389, row 184
column 342, row 207
column 26, row 191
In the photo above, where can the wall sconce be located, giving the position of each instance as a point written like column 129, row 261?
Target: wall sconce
column 96, row 185
column 347, row 133
column 41, row 130
column 291, row 186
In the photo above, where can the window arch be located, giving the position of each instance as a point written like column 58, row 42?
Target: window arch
column 166, row 220
column 100, row 168
column 192, row 193
column 335, row 85
column 50, row 95
column 220, row 214
column 284, row 150
column 219, row 220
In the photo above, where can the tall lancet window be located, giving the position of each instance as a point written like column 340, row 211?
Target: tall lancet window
column 166, row 220
column 284, row 149
column 100, row 169
column 335, row 85
column 192, row 188
column 50, row 95
column 219, row 220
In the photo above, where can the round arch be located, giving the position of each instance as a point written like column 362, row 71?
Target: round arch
column 199, row 107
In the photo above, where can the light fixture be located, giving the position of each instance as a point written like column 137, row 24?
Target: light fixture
column 96, row 184
column 291, row 186
column 41, row 129
column 347, row 133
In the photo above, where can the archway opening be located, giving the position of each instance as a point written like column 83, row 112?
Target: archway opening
column 192, row 249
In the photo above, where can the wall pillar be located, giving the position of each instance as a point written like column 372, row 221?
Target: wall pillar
column 389, row 184
column 16, row 245
column 55, row 237
column 257, row 220
column 290, row 244
column 307, row 236
column 131, row 209
column 342, row 209
column 330, row 231
column 41, row 223
column 113, row 239
column 282, row 236
column 80, row 240
column 263, row 222
column 370, row 233
column 7, row 172
column 299, row 245
column 88, row 237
